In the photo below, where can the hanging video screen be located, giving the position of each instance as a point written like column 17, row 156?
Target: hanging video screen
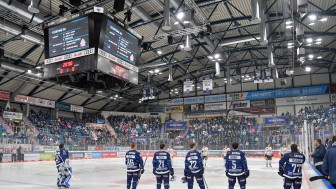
column 69, row 37
column 121, row 43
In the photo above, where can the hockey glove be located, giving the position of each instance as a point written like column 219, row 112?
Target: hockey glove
column 281, row 172
column 153, row 171
column 142, row 171
column 201, row 172
column 227, row 173
column 171, row 171
column 247, row 173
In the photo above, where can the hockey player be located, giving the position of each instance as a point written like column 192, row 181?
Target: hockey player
column 135, row 166
column 64, row 173
column 162, row 167
column 290, row 167
column 236, row 167
column 268, row 155
column 171, row 152
column 225, row 151
column 193, row 167
column 205, row 154
column 282, row 151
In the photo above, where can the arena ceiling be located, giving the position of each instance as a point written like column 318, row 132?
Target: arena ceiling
column 230, row 22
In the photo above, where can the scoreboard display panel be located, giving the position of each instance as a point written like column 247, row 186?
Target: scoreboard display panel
column 69, row 37
column 121, row 43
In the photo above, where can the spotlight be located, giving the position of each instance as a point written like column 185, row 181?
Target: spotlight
column 170, row 40
column 309, row 40
column 288, row 22
column 289, row 26
column 33, row 7
column 210, row 57
column 319, row 57
column 323, row 19
column 156, row 70
column 308, row 69
column 159, row 52
column 311, row 56
column 311, row 24
column 217, row 56
column 312, row 17
column 318, row 39
column 180, row 15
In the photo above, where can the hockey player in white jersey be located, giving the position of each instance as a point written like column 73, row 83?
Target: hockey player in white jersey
column 225, row 151
column 268, row 155
column 205, row 154
column 170, row 150
column 283, row 151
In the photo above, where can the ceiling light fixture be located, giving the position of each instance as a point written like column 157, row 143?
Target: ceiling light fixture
column 180, row 15
column 308, row 69
column 159, row 52
column 312, row 17
column 319, row 57
column 311, row 56
column 309, row 40
column 323, row 19
column 311, row 24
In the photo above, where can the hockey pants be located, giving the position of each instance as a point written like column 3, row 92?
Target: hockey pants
column 241, row 181
column 132, row 179
column 296, row 183
column 199, row 179
column 164, row 178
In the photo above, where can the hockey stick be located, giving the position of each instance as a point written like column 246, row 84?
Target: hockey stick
column 317, row 178
column 143, row 167
column 205, row 183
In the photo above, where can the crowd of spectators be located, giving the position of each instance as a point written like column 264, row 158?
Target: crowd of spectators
column 93, row 118
column 128, row 127
column 66, row 130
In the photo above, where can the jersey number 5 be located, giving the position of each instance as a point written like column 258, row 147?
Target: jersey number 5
column 234, row 165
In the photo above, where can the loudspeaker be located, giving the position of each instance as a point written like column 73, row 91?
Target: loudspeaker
column 75, row 3
column 119, row 5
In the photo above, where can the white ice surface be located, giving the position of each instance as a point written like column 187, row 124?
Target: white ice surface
column 111, row 174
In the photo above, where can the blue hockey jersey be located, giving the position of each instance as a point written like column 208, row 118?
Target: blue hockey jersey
column 235, row 163
column 161, row 162
column 61, row 156
column 133, row 161
column 292, row 163
column 193, row 162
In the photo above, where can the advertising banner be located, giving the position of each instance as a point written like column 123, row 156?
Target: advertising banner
column 101, row 121
column 25, row 99
column 215, row 106
column 97, row 155
column 95, row 126
column 75, row 108
column 45, row 103
column 207, row 86
column 173, row 109
column 51, row 148
column 194, row 100
column 140, row 139
column 109, row 154
column 76, row 155
column 4, row 95
column 260, row 94
column 257, row 76
column 121, row 154
column 238, row 104
column 215, row 98
column 188, row 87
column 87, row 155
column 194, row 108
column 47, row 156
column 177, row 101
column 303, row 91
column 12, row 115
column 32, row 156
column 176, row 125
column 236, row 96
column 275, row 120
column 38, row 149
column 154, row 108
column 208, row 114
column 263, row 103
column 63, row 106
column 316, row 99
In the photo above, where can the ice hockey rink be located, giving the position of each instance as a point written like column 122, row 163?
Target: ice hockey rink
column 111, row 173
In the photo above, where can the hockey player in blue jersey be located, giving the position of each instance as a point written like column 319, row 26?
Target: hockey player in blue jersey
column 193, row 167
column 135, row 166
column 63, row 167
column 236, row 167
column 290, row 167
column 162, row 167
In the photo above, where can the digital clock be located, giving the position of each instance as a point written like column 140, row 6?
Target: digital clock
column 119, row 71
column 67, row 67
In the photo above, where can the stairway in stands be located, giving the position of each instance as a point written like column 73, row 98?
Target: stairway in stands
column 5, row 125
column 33, row 128
column 109, row 127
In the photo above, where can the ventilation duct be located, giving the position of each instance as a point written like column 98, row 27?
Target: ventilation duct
column 152, row 65
column 217, row 66
column 21, row 10
column 263, row 25
column 170, row 74
column 255, row 5
column 166, row 16
column 271, row 62
column 33, row 7
column 19, row 69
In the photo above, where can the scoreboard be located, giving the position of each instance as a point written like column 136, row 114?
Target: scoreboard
column 90, row 43
column 69, row 37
